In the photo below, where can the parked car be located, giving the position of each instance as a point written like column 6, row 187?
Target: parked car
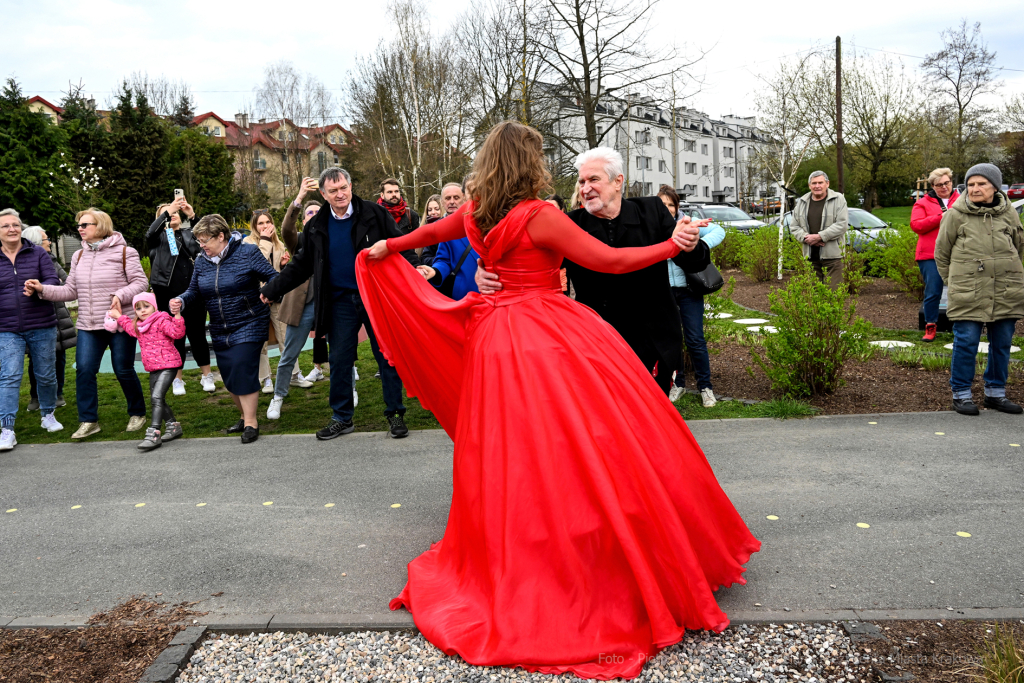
column 1019, row 206
column 1016, row 191
column 865, row 227
column 731, row 217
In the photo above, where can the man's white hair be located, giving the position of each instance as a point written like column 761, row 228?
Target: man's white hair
column 612, row 160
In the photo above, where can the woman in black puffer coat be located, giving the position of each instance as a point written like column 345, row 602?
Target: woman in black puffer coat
column 67, row 335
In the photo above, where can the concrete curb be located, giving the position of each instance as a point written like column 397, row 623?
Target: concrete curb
column 174, row 658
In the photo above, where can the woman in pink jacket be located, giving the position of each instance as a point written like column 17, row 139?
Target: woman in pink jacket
column 924, row 220
column 156, row 332
column 104, row 272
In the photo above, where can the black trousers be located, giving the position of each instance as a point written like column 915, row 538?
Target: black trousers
column 195, row 325
column 320, row 350
column 159, row 384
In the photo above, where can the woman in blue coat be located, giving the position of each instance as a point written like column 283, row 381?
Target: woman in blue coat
column 26, row 322
column 227, row 279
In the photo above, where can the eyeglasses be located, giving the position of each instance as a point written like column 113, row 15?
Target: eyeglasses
column 83, row 226
column 945, row 184
column 203, row 243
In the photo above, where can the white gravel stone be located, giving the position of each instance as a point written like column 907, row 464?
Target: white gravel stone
column 810, row 653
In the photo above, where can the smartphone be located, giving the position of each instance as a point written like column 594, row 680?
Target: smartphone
column 179, row 193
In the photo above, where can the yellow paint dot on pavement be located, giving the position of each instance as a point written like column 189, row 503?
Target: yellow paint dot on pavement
column 862, row 525
column 772, row 517
column 13, row 510
column 140, row 505
column 872, row 423
column 269, row 502
column 397, row 505
column 1015, row 445
column 200, row 505
column 963, row 534
column 329, row 505
column 940, row 433
column 76, row 507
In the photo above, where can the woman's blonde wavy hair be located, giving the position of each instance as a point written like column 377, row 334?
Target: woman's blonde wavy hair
column 509, row 168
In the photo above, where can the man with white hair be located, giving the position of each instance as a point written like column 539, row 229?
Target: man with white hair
column 639, row 305
column 820, row 221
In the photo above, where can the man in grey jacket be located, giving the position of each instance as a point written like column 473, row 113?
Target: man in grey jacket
column 820, row 220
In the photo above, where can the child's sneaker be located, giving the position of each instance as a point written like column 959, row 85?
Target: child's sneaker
column 151, row 441
column 172, row 430
column 50, row 424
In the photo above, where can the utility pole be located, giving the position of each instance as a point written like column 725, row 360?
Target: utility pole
column 839, row 116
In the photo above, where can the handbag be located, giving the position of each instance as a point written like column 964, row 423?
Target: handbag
column 707, row 281
column 447, row 286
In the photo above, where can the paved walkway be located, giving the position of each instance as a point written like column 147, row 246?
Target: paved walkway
column 291, row 525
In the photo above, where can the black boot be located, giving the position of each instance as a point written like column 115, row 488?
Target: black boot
column 1003, row 405
column 965, row 406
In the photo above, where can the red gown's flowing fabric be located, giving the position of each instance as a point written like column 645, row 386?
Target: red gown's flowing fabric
column 587, row 530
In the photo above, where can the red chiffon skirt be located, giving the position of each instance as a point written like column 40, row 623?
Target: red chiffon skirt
column 587, row 530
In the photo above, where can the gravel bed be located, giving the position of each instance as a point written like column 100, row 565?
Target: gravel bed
column 774, row 653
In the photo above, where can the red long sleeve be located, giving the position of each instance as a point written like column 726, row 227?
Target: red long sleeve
column 921, row 222
column 555, row 231
column 448, row 228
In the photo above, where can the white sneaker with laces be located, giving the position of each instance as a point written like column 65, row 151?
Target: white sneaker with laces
column 315, row 375
column 207, row 383
column 50, row 424
column 7, row 440
column 707, row 397
column 298, row 381
column 675, row 393
column 268, row 386
column 274, row 410
column 178, row 386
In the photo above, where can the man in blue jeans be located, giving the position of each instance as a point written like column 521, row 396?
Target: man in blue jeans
column 343, row 227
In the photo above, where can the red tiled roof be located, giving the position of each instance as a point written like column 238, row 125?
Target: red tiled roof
column 54, row 107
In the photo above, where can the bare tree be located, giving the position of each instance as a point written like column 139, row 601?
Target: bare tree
column 958, row 75
column 165, row 96
column 1013, row 113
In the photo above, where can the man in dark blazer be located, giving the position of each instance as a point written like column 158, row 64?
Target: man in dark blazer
column 639, row 305
column 343, row 227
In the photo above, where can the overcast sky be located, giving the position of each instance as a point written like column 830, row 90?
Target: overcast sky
column 220, row 49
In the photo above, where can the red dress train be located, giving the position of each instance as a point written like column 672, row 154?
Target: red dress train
column 587, row 530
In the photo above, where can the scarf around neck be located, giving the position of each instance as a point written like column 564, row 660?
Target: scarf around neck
column 397, row 211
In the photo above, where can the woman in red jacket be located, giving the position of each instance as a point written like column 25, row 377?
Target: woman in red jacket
column 924, row 220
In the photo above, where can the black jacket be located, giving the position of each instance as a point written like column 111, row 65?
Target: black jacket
column 161, row 263
column 639, row 305
column 67, row 335
column 410, row 221
column 371, row 223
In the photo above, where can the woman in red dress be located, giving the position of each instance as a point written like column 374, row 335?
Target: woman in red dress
column 587, row 530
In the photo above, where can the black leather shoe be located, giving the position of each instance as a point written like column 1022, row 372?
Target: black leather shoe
column 336, row 428
column 396, row 427
column 1003, row 405
column 965, row 406
column 250, row 434
column 237, row 428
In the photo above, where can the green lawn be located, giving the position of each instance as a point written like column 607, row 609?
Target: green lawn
column 202, row 414
column 897, row 215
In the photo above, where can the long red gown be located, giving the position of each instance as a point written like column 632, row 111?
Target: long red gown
column 586, row 529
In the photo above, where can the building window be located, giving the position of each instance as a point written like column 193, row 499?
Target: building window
column 643, row 163
column 727, row 152
column 216, row 131
column 662, row 166
column 690, row 146
column 321, row 161
column 648, row 189
column 280, row 135
column 703, row 169
column 287, row 180
column 600, row 130
column 661, row 142
column 729, row 171
column 643, row 137
column 291, row 136
column 335, row 158
column 704, row 150
column 690, row 168
column 284, row 158
column 707, row 192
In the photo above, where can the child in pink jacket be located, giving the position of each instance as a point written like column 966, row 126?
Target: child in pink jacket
column 156, row 332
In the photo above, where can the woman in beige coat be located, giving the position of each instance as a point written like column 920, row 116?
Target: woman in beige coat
column 263, row 233
column 978, row 254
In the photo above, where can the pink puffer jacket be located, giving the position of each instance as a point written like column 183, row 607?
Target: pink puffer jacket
column 156, row 339
column 96, row 276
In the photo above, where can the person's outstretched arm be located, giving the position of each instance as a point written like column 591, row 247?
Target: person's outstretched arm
column 555, row 231
column 448, row 228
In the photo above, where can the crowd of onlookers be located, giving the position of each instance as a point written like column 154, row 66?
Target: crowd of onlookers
column 284, row 287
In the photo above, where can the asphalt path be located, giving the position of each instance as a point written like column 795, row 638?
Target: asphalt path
column 293, row 525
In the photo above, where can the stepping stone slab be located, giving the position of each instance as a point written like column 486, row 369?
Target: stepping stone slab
column 720, row 316
column 750, row 321
column 887, row 344
column 983, row 347
column 762, row 328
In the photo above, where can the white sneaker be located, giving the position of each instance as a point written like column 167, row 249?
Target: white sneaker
column 274, row 411
column 178, row 386
column 355, row 374
column 207, row 383
column 315, row 375
column 675, row 393
column 268, row 386
column 355, row 397
column 7, row 440
column 298, row 381
column 707, row 396
column 50, row 424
